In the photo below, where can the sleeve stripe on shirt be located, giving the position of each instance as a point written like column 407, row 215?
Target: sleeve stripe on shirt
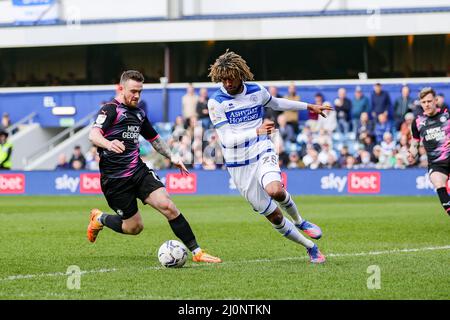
column 218, row 125
column 153, row 139
column 270, row 99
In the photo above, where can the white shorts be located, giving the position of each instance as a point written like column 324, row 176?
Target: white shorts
column 251, row 179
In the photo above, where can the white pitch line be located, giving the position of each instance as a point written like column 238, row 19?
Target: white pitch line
column 329, row 255
column 54, row 274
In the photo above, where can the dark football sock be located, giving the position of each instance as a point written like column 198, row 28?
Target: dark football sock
column 445, row 199
column 112, row 221
column 183, row 231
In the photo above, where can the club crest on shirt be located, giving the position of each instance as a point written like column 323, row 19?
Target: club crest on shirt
column 442, row 119
column 253, row 98
column 100, row 119
column 139, row 116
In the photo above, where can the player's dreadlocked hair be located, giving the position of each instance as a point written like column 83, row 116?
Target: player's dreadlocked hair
column 230, row 66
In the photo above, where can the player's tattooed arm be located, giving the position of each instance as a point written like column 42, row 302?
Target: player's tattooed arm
column 161, row 147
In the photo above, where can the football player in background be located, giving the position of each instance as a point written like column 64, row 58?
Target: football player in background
column 432, row 128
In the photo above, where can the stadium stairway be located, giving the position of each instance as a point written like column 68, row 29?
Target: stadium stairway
column 48, row 160
column 27, row 141
column 46, row 156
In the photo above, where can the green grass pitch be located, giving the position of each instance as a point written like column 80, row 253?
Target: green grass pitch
column 406, row 238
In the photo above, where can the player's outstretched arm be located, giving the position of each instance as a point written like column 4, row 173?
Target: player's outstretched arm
column 282, row 104
column 162, row 148
column 96, row 138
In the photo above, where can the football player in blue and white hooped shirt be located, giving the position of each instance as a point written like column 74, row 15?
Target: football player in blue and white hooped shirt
column 236, row 111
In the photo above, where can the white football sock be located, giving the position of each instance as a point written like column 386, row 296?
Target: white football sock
column 288, row 230
column 289, row 206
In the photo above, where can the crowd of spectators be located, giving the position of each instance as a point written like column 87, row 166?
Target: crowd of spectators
column 361, row 132
column 79, row 161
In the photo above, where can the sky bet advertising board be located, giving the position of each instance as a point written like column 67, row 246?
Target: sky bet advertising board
column 299, row 182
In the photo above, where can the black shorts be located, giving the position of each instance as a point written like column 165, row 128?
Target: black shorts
column 441, row 167
column 121, row 193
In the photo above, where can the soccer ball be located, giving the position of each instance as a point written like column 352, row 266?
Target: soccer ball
column 172, row 254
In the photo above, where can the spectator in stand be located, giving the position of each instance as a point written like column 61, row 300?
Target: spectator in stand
column 343, row 154
column 323, row 137
column 402, row 106
column 286, row 131
column 62, row 163
column 329, row 123
column 440, row 103
column 292, row 115
column 178, row 128
column 312, row 158
column 189, row 103
column 193, row 125
column 405, row 127
column 375, row 156
column 343, row 107
column 314, row 117
column 308, row 143
column 416, row 108
column 202, row 108
column 367, row 141
column 326, row 154
column 423, row 158
column 399, row 162
column 387, row 157
column 364, row 160
column 77, row 165
column 382, row 126
column 6, row 149
column 360, row 104
column 350, row 163
column 92, row 159
column 303, row 136
column 183, row 149
column 6, row 123
column 380, row 101
column 213, row 152
column 331, row 162
column 294, row 161
column 77, row 161
column 364, row 124
column 403, row 148
column 198, row 160
column 270, row 113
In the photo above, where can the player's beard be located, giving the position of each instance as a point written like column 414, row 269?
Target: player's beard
column 235, row 90
column 132, row 102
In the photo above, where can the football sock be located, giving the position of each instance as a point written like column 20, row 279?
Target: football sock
column 183, row 231
column 289, row 206
column 111, row 221
column 288, row 230
column 445, row 199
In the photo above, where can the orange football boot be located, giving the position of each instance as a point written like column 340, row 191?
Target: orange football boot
column 94, row 226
